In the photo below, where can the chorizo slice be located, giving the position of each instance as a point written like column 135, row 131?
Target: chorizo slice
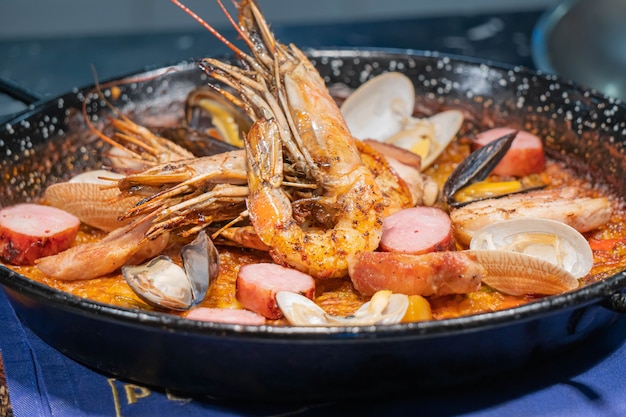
column 226, row 315
column 525, row 157
column 429, row 274
column 258, row 284
column 417, row 230
column 32, row 231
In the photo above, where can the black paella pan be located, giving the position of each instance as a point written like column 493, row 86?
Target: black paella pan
column 46, row 144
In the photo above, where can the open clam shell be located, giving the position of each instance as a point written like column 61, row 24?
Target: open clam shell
column 550, row 240
column 162, row 283
column 383, row 308
column 93, row 198
column 382, row 109
column 520, row 274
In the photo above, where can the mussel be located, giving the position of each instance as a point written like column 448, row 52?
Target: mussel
column 198, row 142
column 383, row 308
column 532, row 256
column 162, row 283
column 466, row 184
column 382, row 109
column 207, row 110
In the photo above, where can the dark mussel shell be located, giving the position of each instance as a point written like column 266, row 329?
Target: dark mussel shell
column 194, row 140
column 476, row 167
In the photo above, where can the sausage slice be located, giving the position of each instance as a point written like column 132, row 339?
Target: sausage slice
column 525, row 157
column 417, row 230
column 226, row 315
column 258, row 284
column 31, row 231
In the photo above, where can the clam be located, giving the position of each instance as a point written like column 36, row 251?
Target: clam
column 466, row 185
column 383, row 308
column 162, row 283
column 532, row 256
column 550, row 240
column 382, row 109
column 519, row 274
column 92, row 197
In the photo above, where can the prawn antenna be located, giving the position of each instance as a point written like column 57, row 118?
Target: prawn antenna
column 213, row 31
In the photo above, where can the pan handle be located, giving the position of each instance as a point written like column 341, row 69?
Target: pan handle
column 616, row 302
column 19, row 93
column 16, row 91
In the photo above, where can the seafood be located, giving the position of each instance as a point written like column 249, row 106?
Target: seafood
column 135, row 146
column 382, row 108
column 383, row 308
column 466, row 183
column 526, row 155
column 163, row 284
column 291, row 108
column 476, row 167
column 547, row 239
column 519, row 274
column 228, row 122
column 307, row 195
column 318, row 251
column 567, row 205
column 401, row 185
column 532, row 256
column 93, row 198
column 122, row 246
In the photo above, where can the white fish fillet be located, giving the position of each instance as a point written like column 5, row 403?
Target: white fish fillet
column 564, row 205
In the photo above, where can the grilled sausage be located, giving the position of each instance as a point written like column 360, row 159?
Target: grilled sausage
column 226, row 315
column 31, row 231
column 417, row 230
column 258, row 284
column 525, row 156
column 430, row 274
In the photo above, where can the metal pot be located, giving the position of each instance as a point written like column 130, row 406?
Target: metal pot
column 585, row 41
column 47, row 144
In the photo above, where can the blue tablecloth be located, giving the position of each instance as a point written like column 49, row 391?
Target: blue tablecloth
column 588, row 381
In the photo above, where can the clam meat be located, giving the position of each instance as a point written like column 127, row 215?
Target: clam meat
column 382, row 109
column 162, row 283
column 383, row 308
column 550, row 240
column 532, row 256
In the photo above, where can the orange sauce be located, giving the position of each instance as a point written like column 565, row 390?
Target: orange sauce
column 338, row 296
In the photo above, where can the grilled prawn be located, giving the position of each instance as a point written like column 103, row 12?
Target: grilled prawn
column 296, row 119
